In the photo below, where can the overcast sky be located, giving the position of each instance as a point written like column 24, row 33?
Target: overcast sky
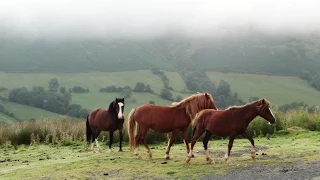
column 151, row 18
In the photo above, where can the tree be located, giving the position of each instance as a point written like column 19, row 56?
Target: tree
column 223, row 88
column 53, row 85
column 140, row 87
column 166, row 94
column 63, row 90
column 148, row 89
column 126, row 92
column 178, row 98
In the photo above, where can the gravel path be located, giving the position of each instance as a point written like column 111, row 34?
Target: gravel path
column 292, row 171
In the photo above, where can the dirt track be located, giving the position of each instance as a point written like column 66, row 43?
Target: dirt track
column 292, row 171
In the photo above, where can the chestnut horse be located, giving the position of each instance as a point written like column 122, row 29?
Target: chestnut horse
column 164, row 119
column 230, row 122
column 102, row 119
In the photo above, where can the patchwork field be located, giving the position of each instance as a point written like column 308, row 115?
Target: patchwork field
column 275, row 155
column 93, row 81
column 24, row 112
column 277, row 89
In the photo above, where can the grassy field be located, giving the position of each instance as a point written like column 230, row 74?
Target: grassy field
column 24, row 112
column 75, row 162
column 277, row 89
column 93, row 81
column 6, row 119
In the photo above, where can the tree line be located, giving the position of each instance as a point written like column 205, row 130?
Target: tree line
column 51, row 100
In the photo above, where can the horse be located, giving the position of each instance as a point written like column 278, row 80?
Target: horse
column 102, row 119
column 230, row 122
column 163, row 119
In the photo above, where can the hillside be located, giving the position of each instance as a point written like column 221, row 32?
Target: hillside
column 277, row 89
column 254, row 53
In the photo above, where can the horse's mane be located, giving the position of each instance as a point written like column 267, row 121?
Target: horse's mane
column 266, row 103
column 194, row 103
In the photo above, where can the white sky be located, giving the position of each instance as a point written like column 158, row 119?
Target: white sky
column 149, row 18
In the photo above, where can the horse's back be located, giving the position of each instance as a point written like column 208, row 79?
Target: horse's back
column 218, row 122
column 161, row 118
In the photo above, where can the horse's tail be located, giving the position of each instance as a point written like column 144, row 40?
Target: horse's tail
column 88, row 130
column 197, row 121
column 132, row 128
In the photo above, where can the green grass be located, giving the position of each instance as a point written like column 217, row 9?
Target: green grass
column 277, row 89
column 74, row 162
column 96, row 99
column 175, row 81
column 93, row 81
column 24, row 112
column 6, row 119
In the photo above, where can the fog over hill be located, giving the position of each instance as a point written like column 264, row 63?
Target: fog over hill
column 268, row 37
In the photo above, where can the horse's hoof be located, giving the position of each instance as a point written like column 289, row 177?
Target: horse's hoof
column 167, row 158
column 188, row 159
column 120, row 150
column 192, row 155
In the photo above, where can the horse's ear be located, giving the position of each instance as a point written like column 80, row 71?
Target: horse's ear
column 207, row 96
column 263, row 101
column 117, row 100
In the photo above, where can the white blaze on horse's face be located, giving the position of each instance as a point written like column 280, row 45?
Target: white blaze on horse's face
column 120, row 114
column 271, row 114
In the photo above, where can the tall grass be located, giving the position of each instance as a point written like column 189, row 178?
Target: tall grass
column 66, row 131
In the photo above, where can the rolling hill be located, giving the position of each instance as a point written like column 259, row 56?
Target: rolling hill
column 254, row 65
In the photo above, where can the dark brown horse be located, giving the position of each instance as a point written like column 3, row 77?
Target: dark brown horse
column 230, row 122
column 102, row 119
column 164, row 119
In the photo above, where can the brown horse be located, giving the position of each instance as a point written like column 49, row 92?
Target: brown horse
column 102, row 119
column 164, row 119
column 230, row 122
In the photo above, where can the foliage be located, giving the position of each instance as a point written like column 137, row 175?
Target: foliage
column 141, row 87
column 53, row 85
column 126, row 92
column 4, row 111
column 296, row 105
column 166, row 94
column 78, row 89
column 163, row 77
column 312, row 78
column 50, row 101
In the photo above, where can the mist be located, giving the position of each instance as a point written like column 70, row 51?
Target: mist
column 75, row 19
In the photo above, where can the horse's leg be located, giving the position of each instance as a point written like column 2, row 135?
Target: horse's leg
column 197, row 132
column 253, row 149
column 231, row 139
column 95, row 136
column 186, row 139
column 143, row 139
column 170, row 142
column 136, row 147
column 121, row 138
column 205, row 145
column 110, row 140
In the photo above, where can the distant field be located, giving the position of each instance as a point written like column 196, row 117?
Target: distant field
column 6, row 119
column 24, row 112
column 97, row 99
column 93, row 81
column 175, row 81
column 278, row 89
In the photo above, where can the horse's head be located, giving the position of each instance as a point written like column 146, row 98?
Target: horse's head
column 119, row 107
column 209, row 102
column 264, row 111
